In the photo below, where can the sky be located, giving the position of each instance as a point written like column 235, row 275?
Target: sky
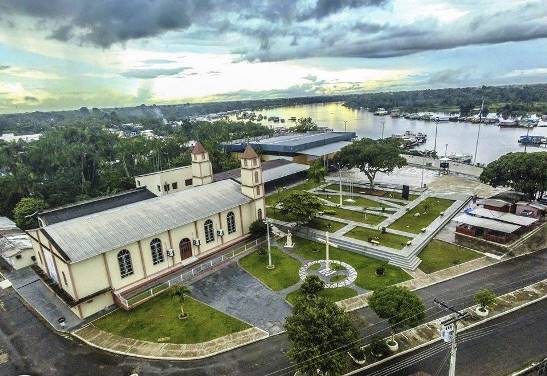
column 64, row 54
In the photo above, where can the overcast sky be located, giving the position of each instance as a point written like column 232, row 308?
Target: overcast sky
column 63, row 54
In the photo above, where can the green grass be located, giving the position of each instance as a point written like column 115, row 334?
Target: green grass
column 429, row 210
column 334, row 295
column 377, row 192
column 356, row 216
column 284, row 274
column 158, row 318
column 275, row 214
column 323, row 225
column 359, row 201
column 338, row 278
column 387, row 239
column 439, row 255
column 365, row 266
column 273, row 198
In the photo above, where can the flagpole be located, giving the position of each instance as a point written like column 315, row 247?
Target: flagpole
column 478, row 132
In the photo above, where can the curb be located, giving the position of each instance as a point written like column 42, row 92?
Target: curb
column 439, row 339
column 266, row 335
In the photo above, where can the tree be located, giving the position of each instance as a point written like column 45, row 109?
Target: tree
column 317, row 172
column 524, row 172
column 258, row 228
column 371, row 157
column 319, row 333
column 178, row 292
column 24, row 210
column 400, row 306
column 312, row 285
column 300, row 206
column 305, row 125
column 485, row 298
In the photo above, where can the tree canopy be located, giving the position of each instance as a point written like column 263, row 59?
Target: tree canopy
column 400, row 306
column 305, row 125
column 371, row 157
column 24, row 210
column 300, row 206
column 523, row 172
column 320, row 333
column 317, row 172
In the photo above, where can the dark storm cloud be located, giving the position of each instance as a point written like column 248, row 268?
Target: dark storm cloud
column 149, row 73
column 4, row 67
column 31, row 99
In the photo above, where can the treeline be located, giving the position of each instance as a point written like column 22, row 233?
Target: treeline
column 39, row 121
column 80, row 161
column 506, row 100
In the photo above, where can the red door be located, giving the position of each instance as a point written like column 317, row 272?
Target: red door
column 185, row 246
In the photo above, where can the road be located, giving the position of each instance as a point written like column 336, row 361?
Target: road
column 497, row 347
column 33, row 349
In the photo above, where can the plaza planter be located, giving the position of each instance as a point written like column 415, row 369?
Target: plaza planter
column 393, row 345
column 481, row 311
column 356, row 360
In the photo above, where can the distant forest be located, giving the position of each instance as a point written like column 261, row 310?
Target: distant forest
column 505, row 100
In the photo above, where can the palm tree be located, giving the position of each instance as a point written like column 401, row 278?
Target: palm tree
column 317, row 172
column 178, row 292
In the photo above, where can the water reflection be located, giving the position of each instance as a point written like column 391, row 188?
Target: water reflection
column 456, row 138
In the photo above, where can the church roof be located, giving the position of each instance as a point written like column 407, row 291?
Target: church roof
column 198, row 148
column 249, row 153
column 88, row 236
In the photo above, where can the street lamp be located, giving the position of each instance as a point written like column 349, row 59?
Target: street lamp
column 435, row 145
column 270, row 265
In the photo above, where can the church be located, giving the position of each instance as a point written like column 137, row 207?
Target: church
column 95, row 250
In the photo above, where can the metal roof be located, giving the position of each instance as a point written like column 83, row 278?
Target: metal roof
column 318, row 151
column 88, row 236
column 504, row 217
column 490, row 224
column 11, row 245
column 292, row 143
column 498, row 203
column 7, row 224
column 283, row 171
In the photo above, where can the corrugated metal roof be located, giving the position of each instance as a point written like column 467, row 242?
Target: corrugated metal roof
column 490, row 224
column 283, row 171
column 325, row 149
column 504, row 217
column 7, row 224
column 88, row 236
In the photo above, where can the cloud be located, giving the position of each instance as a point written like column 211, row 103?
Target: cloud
column 4, row 67
column 149, row 73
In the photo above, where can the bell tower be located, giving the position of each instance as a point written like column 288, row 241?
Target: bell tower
column 202, row 171
column 252, row 184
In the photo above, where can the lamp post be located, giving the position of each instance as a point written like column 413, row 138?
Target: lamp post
column 435, row 145
column 327, row 264
column 270, row 265
column 340, row 175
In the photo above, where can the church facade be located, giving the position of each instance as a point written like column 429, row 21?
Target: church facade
column 95, row 256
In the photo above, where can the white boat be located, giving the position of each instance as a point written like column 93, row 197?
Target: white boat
column 442, row 118
column 380, row 111
column 508, row 122
column 543, row 121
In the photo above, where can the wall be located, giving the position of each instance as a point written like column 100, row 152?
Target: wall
column 161, row 178
column 24, row 260
column 460, row 168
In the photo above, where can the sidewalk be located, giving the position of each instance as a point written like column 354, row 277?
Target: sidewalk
column 167, row 351
column 425, row 334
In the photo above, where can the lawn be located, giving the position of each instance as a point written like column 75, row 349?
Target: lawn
column 273, row 198
column 359, row 201
column 386, row 239
column 365, row 266
column 325, row 224
column 376, row 192
column 334, row 295
column 439, row 255
column 158, row 319
column 429, row 210
column 284, row 274
column 275, row 214
column 353, row 215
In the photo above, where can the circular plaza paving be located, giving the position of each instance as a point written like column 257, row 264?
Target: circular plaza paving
column 337, row 268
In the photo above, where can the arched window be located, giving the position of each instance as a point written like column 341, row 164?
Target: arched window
column 231, row 221
column 256, row 176
column 209, row 231
column 259, row 214
column 125, row 264
column 157, row 252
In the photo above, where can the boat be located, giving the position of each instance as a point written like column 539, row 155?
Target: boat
column 533, row 140
column 380, row 111
column 529, row 121
column 411, row 139
column 503, row 123
column 441, row 118
column 292, row 118
column 414, row 116
column 543, row 121
column 461, row 158
column 395, row 113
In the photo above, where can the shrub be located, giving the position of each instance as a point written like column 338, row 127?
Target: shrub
column 485, row 298
column 380, row 271
column 329, row 212
column 258, row 228
column 312, row 285
column 261, row 251
column 378, row 347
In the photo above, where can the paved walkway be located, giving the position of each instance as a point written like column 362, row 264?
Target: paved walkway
column 35, row 292
column 234, row 291
column 168, row 351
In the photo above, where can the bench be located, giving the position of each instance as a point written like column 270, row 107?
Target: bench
column 375, row 242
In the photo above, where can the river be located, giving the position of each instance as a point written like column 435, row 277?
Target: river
column 455, row 138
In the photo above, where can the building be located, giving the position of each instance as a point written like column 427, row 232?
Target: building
column 297, row 147
column 530, row 209
column 96, row 253
column 167, row 181
column 495, row 204
column 11, row 137
column 15, row 246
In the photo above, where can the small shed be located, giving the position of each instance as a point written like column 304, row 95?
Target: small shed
column 495, row 204
column 530, row 209
column 488, row 229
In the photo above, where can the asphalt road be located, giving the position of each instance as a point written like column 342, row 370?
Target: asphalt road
column 497, row 347
column 34, row 350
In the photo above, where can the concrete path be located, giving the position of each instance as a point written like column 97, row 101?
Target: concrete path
column 35, row 292
column 234, row 291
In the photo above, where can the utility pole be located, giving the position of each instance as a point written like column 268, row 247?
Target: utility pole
column 436, row 124
column 270, row 265
column 383, row 125
column 340, row 175
column 345, row 124
column 450, row 332
column 479, row 132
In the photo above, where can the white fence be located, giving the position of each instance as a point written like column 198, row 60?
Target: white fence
column 188, row 276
